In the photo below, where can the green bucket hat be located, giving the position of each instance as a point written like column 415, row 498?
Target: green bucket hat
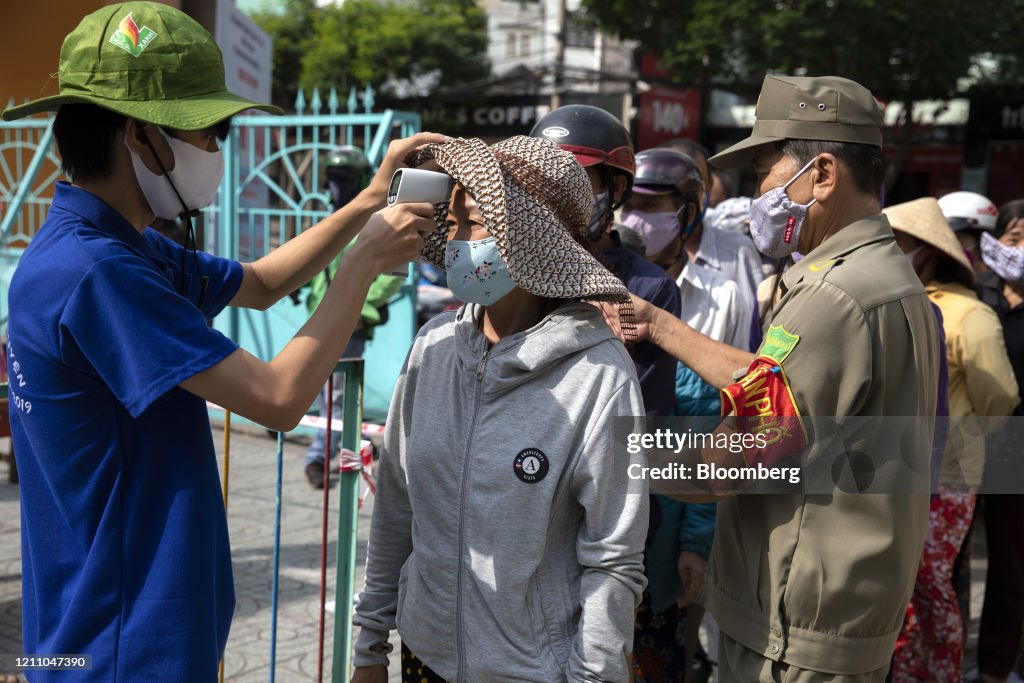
column 808, row 108
column 144, row 60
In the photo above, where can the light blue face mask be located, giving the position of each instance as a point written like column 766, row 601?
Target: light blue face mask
column 476, row 271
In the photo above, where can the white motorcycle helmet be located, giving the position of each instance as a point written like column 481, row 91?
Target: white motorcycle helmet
column 969, row 211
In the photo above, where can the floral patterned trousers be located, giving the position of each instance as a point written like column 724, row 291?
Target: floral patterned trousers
column 930, row 645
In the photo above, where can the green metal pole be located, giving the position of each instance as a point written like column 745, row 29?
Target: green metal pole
column 348, row 518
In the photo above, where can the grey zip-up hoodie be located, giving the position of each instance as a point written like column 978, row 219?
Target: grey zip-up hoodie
column 507, row 538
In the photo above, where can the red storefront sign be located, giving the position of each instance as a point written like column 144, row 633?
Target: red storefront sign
column 666, row 113
column 651, row 68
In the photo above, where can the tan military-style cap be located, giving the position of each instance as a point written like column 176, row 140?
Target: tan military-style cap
column 808, row 108
column 922, row 218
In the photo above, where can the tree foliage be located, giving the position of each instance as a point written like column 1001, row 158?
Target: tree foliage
column 902, row 50
column 408, row 47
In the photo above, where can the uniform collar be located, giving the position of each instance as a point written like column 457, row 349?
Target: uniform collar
column 97, row 213
column 834, row 249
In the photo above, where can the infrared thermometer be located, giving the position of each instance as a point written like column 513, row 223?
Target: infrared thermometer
column 413, row 185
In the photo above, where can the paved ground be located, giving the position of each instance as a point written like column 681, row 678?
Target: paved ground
column 251, row 522
column 251, row 519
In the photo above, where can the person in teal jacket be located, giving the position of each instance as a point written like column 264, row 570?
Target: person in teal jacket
column 348, row 172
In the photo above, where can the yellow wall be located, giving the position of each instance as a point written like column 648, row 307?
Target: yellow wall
column 31, row 33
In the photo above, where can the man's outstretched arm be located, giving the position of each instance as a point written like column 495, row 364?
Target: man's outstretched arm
column 714, row 361
column 277, row 394
column 293, row 264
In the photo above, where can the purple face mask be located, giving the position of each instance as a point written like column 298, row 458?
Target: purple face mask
column 656, row 229
column 776, row 220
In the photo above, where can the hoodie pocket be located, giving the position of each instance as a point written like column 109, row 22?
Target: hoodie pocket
column 544, row 639
column 403, row 587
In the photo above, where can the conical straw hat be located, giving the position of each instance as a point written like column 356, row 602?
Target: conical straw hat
column 923, row 219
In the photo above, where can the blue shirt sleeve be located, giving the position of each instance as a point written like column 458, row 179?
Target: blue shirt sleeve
column 654, row 367
column 224, row 275
column 125, row 324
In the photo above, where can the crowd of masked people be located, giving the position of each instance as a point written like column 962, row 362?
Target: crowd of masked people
column 510, row 539
column 665, row 223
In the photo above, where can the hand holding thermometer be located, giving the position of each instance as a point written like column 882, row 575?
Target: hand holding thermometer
column 412, row 185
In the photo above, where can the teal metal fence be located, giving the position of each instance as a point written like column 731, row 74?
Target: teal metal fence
column 28, row 169
column 273, row 189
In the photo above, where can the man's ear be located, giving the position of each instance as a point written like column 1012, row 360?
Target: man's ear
column 135, row 136
column 826, row 173
column 690, row 213
column 619, row 185
column 687, row 211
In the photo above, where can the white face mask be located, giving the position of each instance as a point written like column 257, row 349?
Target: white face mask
column 1005, row 261
column 196, row 177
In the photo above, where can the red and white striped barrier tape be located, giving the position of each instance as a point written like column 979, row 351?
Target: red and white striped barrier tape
column 348, row 461
column 363, row 462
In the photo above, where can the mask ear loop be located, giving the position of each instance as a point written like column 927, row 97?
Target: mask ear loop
column 686, row 230
column 190, row 237
column 607, row 177
column 800, row 173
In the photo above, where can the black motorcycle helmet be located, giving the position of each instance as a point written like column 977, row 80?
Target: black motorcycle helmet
column 596, row 138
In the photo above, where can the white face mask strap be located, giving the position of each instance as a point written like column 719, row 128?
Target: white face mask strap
column 167, row 174
column 190, row 236
column 799, row 173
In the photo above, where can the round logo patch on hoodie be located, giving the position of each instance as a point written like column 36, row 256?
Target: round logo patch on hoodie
column 531, row 465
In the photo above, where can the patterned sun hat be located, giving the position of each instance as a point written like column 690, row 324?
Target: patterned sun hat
column 536, row 202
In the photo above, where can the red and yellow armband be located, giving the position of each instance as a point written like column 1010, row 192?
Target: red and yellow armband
column 764, row 406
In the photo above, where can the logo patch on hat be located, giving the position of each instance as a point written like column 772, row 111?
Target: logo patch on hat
column 554, row 132
column 531, row 465
column 130, row 38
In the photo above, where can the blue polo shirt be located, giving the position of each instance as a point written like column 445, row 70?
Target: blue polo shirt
column 125, row 552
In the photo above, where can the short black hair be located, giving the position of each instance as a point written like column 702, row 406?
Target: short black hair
column 85, row 135
column 866, row 162
column 1008, row 213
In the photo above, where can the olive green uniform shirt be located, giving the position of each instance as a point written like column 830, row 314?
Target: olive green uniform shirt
column 822, row 581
